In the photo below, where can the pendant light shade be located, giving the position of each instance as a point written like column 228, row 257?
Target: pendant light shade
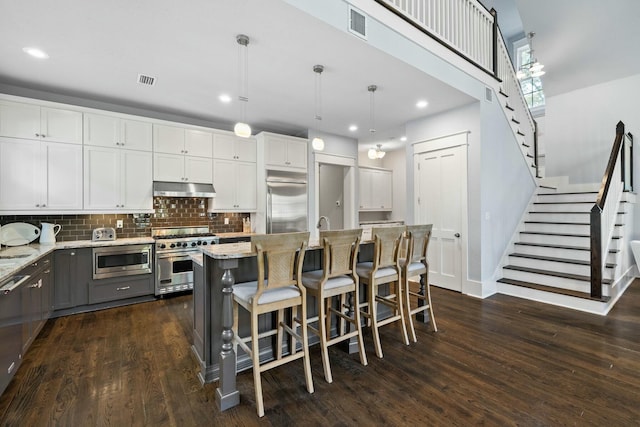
column 376, row 153
column 242, row 129
column 532, row 68
column 318, row 143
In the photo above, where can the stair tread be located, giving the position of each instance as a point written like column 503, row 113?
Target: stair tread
column 551, row 289
column 563, row 203
column 557, row 222
column 557, row 259
column 502, row 93
column 570, row 192
column 575, row 248
column 554, row 273
column 560, row 212
column 509, row 107
column 546, row 233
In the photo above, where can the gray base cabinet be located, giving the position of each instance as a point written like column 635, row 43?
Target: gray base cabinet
column 73, row 274
column 120, row 288
column 36, row 295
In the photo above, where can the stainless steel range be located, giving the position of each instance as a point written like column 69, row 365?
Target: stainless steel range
column 174, row 245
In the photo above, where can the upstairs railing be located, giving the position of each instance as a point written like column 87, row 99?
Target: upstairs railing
column 468, row 29
column 617, row 178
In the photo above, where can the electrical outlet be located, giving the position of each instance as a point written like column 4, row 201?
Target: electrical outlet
column 226, row 221
column 119, row 223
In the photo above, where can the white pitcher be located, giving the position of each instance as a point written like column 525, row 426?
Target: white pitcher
column 49, row 233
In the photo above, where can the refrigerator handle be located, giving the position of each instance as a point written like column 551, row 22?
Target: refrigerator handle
column 269, row 212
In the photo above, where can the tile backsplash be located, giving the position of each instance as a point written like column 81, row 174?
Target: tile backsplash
column 169, row 212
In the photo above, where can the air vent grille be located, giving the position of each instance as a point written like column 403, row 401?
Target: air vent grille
column 488, row 94
column 357, row 23
column 146, row 80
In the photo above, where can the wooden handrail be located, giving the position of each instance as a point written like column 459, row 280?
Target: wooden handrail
column 596, row 215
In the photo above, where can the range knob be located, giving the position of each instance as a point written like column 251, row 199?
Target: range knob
column 199, row 242
column 162, row 246
column 184, row 245
column 172, row 245
column 204, row 243
column 193, row 244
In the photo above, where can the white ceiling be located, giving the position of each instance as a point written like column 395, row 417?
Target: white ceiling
column 97, row 48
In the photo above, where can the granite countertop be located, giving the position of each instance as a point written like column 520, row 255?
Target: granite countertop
column 15, row 258
column 231, row 235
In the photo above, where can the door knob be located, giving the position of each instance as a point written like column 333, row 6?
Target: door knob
column 457, row 234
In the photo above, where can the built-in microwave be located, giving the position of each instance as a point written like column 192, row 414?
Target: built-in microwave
column 116, row 261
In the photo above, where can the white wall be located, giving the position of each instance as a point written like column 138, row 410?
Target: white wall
column 580, row 127
column 397, row 161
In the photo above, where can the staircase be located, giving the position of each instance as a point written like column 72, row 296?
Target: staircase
column 551, row 257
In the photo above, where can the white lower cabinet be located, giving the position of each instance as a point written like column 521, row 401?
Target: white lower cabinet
column 40, row 176
column 116, row 179
column 179, row 168
column 235, row 184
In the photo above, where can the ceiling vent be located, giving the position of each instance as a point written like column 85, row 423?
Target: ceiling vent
column 357, row 23
column 146, row 80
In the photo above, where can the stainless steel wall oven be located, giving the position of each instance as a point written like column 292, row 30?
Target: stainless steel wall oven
column 116, row 261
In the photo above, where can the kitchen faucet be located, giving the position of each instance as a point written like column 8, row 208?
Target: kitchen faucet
column 319, row 224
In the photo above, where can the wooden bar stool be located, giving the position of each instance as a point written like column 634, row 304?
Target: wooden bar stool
column 415, row 264
column 281, row 257
column 337, row 278
column 384, row 269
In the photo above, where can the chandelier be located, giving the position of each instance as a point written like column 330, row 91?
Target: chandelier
column 532, row 68
column 376, row 153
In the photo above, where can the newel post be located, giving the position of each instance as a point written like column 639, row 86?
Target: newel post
column 596, row 252
column 494, row 13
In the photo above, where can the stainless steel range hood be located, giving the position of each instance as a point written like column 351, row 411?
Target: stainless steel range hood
column 183, row 189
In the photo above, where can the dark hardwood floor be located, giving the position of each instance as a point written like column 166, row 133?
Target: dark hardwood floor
column 498, row 361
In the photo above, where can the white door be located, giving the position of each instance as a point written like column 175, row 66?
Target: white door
column 168, row 167
column 246, row 190
column 198, row 169
column 440, row 176
column 64, row 175
column 101, row 178
column 21, row 180
column 168, row 139
column 198, row 143
column 136, row 171
column 57, row 125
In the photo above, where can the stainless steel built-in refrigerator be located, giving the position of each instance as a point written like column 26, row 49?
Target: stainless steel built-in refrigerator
column 286, row 202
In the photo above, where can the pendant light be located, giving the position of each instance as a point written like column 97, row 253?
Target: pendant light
column 376, row 153
column 242, row 129
column 318, row 143
column 532, row 68
column 373, row 153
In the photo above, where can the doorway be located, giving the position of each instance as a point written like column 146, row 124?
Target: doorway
column 331, row 185
column 440, row 187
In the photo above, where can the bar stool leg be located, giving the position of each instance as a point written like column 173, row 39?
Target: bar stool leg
column 322, row 327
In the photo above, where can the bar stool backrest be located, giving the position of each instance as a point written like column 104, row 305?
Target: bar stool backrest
column 280, row 258
column 386, row 246
column 340, row 251
column 419, row 236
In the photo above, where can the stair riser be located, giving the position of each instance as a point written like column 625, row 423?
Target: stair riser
column 582, row 218
column 559, row 253
column 554, row 240
column 559, row 198
column 557, row 228
column 558, row 282
column 560, row 267
column 563, row 207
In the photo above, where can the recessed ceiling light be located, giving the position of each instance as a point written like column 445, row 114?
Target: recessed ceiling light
column 353, row 128
column 35, row 52
column 422, row 104
column 224, row 98
column 403, row 138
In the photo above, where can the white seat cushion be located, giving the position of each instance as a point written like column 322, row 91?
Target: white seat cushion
column 416, row 266
column 311, row 279
column 246, row 291
column 364, row 270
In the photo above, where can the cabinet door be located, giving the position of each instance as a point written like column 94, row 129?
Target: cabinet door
column 386, row 189
column 136, row 180
column 198, row 143
column 19, row 120
column 224, row 147
column 297, row 154
column 72, row 273
column 380, row 190
column 168, row 167
column 136, row 135
column 365, row 189
column 101, row 130
column 276, row 152
column 168, row 139
column 21, row 179
column 224, row 181
column 57, row 125
column 246, row 149
column 246, row 188
column 198, row 169
column 64, row 176
column 101, row 178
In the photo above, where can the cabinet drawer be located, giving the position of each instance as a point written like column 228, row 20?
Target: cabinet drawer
column 111, row 290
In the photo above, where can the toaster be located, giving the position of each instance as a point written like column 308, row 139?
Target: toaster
column 104, row 233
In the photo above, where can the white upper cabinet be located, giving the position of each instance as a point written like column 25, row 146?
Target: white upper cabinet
column 235, row 183
column 112, row 131
column 231, row 147
column 181, row 168
column 285, row 153
column 179, row 140
column 20, row 120
column 117, row 180
column 376, row 189
column 40, row 176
